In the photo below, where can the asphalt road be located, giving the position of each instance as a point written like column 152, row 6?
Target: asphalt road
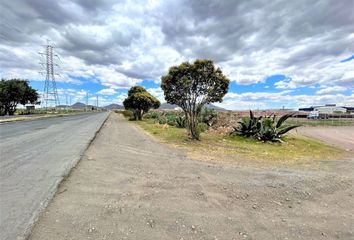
column 34, row 158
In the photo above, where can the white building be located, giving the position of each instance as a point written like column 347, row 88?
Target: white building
column 330, row 109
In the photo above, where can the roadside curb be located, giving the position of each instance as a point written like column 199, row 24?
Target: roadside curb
column 28, row 232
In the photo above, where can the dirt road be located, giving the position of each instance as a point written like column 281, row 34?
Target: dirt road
column 339, row 136
column 127, row 186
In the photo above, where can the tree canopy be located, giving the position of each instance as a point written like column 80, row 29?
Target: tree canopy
column 14, row 92
column 192, row 85
column 140, row 101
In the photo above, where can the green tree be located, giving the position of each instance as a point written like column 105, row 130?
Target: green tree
column 14, row 92
column 191, row 86
column 140, row 102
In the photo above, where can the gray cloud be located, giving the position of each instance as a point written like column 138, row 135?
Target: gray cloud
column 299, row 39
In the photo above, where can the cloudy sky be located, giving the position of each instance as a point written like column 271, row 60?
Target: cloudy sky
column 276, row 53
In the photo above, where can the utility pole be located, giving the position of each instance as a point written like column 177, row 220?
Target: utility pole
column 97, row 102
column 66, row 102
column 87, row 107
column 50, row 93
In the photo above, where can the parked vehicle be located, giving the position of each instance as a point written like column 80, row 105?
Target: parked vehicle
column 313, row 115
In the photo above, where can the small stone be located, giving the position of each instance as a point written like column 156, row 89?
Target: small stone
column 254, row 206
column 193, row 228
column 287, row 199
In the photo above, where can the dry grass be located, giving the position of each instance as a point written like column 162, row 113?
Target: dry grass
column 220, row 147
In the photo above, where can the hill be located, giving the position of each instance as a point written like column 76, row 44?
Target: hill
column 167, row 106
column 78, row 105
column 113, row 106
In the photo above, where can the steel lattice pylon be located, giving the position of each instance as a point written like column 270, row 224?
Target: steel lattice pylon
column 50, row 93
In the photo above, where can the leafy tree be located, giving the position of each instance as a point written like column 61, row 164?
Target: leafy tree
column 14, row 92
column 140, row 102
column 191, row 86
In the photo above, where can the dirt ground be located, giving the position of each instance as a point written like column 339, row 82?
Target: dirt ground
column 339, row 136
column 127, row 186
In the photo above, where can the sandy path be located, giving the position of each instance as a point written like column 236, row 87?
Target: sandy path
column 129, row 187
column 342, row 137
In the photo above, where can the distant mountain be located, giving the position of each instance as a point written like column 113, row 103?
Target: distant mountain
column 167, row 106
column 113, row 106
column 78, row 105
column 62, row 106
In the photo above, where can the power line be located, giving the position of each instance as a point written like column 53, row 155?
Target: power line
column 50, row 93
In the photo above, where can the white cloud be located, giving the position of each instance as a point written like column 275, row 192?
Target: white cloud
column 107, row 91
column 158, row 93
column 328, row 90
column 120, row 44
column 255, row 100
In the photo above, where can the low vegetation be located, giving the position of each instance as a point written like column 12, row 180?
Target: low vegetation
column 218, row 146
column 263, row 128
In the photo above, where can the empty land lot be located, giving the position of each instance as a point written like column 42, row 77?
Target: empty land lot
column 127, row 186
column 339, row 136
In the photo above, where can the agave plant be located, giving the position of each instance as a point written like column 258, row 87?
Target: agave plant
column 270, row 130
column 181, row 121
column 248, row 127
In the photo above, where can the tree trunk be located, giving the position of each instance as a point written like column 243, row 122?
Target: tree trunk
column 192, row 125
column 140, row 115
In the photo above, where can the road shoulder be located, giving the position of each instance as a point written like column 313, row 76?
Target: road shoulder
column 130, row 187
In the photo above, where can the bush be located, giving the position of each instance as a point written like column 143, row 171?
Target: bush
column 152, row 115
column 181, row 122
column 208, row 116
column 248, row 126
column 263, row 128
column 202, row 127
column 127, row 113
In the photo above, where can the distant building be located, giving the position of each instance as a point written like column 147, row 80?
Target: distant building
column 330, row 109
column 327, row 109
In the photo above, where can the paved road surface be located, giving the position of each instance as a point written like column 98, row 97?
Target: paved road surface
column 34, row 157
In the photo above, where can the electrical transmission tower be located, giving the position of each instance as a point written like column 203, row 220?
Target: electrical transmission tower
column 50, row 93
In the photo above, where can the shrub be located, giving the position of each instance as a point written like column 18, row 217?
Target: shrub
column 181, row 122
column 263, row 128
column 149, row 115
column 272, row 130
column 248, row 126
column 127, row 113
column 202, row 127
column 208, row 116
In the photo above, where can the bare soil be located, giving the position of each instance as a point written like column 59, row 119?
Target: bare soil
column 127, row 186
column 339, row 136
